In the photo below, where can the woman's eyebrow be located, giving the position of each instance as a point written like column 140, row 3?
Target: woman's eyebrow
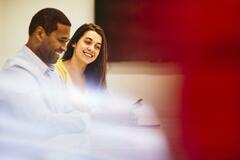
column 92, row 40
column 89, row 38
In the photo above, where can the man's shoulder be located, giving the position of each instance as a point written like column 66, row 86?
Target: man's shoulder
column 17, row 71
column 20, row 64
column 19, row 60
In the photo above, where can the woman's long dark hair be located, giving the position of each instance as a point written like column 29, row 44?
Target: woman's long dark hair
column 95, row 72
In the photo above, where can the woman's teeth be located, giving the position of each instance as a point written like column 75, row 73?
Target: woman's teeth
column 88, row 55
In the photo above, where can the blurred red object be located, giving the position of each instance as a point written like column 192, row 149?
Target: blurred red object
column 206, row 45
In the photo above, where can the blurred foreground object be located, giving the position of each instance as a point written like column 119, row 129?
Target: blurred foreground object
column 203, row 38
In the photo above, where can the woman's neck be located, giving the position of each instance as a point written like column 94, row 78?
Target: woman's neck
column 76, row 71
column 75, row 67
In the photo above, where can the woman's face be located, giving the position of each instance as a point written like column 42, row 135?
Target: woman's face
column 88, row 47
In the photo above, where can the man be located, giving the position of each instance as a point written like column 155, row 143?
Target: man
column 30, row 90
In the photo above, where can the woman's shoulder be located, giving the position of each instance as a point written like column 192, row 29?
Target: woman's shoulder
column 59, row 64
column 61, row 69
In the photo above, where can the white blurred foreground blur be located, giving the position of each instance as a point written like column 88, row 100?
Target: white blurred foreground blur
column 111, row 127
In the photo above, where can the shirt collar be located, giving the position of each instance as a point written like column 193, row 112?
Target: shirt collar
column 37, row 61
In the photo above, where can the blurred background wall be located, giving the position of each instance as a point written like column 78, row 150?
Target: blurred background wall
column 1, row 31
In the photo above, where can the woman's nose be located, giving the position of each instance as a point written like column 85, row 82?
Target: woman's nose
column 90, row 47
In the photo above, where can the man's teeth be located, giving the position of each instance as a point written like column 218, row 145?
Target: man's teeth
column 58, row 53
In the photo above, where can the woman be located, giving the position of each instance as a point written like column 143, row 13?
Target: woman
column 84, row 63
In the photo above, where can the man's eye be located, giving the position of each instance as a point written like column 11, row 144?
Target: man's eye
column 62, row 41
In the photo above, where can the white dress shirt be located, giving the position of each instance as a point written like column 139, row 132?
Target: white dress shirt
column 32, row 91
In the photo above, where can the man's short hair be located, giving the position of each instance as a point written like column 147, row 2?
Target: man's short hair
column 48, row 18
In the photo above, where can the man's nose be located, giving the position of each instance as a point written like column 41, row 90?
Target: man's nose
column 64, row 48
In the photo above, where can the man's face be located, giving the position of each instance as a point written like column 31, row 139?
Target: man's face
column 54, row 44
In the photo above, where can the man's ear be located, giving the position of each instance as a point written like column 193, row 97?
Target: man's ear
column 40, row 33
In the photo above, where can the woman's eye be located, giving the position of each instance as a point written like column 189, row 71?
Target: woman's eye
column 98, row 47
column 87, row 42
